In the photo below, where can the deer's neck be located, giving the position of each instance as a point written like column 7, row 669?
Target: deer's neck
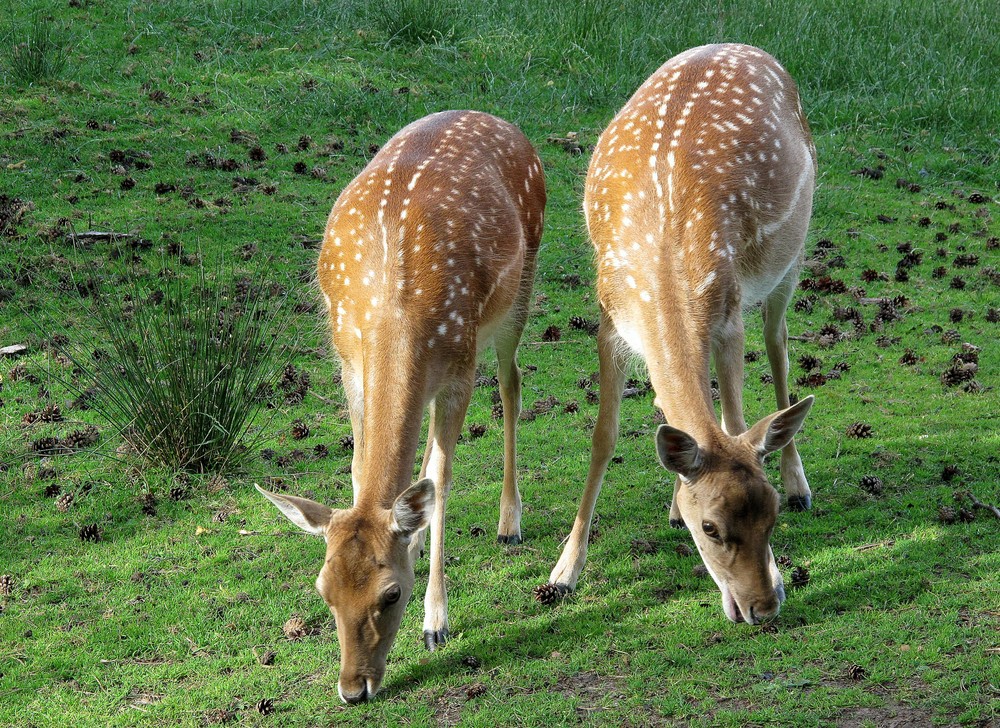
column 394, row 399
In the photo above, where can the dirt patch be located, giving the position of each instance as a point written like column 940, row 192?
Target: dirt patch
column 448, row 707
column 596, row 696
column 889, row 716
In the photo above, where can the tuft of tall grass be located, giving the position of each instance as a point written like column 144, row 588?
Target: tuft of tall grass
column 180, row 379
column 416, row 22
column 38, row 51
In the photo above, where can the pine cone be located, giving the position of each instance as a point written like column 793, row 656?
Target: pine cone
column 475, row 690
column 476, row 430
column 6, row 585
column 856, row 672
column 216, row 483
column 300, row 430
column 799, row 576
column 265, row 706
column 147, row 501
column 497, row 411
column 90, row 532
column 947, row 515
column 47, row 446
column 871, row 484
column 548, row 593
column 321, row 451
column 784, row 560
column 805, row 304
column 909, row 357
column 846, row 313
column 949, row 472
column 552, row 333
column 808, row 362
column 80, row 439
column 50, row 413
column 64, row 501
column 682, row 549
column 958, row 373
column 965, row 515
column 859, row 430
column 178, row 493
column 52, row 490
column 347, row 442
column 267, row 454
column 581, row 324
column 295, row 628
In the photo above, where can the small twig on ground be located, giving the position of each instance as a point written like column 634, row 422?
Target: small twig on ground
column 93, row 236
column 976, row 503
column 866, row 547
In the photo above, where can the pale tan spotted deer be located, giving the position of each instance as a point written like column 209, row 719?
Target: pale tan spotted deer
column 697, row 201
column 429, row 255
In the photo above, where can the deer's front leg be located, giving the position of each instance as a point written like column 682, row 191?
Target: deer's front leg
column 727, row 350
column 574, row 555
column 352, row 381
column 793, row 477
column 448, row 414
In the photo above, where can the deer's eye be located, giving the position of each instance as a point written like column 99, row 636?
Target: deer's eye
column 392, row 594
column 710, row 530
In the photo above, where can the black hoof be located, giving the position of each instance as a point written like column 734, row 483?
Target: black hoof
column 799, row 502
column 509, row 540
column 677, row 523
column 433, row 640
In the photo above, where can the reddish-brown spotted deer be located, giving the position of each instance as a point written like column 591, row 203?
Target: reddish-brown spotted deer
column 697, row 201
column 429, row 255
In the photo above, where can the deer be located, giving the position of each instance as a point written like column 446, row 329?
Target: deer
column 428, row 257
column 697, row 201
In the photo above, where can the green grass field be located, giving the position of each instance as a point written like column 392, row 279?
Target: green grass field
column 221, row 131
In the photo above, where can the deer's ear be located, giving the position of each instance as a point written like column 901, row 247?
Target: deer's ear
column 310, row 516
column 777, row 430
column 678, row 451
column 413, row 508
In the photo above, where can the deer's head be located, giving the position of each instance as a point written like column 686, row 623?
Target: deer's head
column 367, row 576
column 730, row 508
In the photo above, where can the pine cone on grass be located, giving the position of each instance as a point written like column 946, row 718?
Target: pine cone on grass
column 300, row 430
column 871, row 484
column 91, row 532
column 6, row 585
column 799, row 576
column 147, row 502
column 64, row 502
column 947, row 515
column 81, row 439
column 547, row 593
column 859, row 430
column 295, row 628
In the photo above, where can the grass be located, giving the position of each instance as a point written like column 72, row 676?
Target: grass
column 186, row 372
column 37, row 52
column 163, row 620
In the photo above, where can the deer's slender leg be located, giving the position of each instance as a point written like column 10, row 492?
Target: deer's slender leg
column 613, row 370
column 793, row 476
column 450, row 406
